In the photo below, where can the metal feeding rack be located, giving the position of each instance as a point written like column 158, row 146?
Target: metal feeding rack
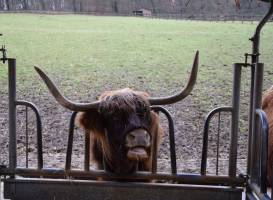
column 43, row 183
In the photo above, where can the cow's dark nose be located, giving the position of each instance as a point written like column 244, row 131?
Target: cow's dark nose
column 138, row 137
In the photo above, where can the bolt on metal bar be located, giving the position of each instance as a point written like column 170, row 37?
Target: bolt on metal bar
column 39, row 130
column 12, row 114
column 237, row 67
column 206, row 135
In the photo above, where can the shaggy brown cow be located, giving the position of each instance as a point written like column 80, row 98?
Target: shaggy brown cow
column 267, row 106
column 121, row 124
column 122, row 128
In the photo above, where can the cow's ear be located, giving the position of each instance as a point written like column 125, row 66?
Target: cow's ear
column 90, row 121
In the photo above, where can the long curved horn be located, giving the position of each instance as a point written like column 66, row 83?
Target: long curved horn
column 185, row 91
column 61, row 99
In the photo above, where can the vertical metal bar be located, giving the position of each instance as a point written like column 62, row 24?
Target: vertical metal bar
column 206, row 134
column 218, row 140
column 39, row 130
column 39, row 138
column 171, row 138
column 154, row 153
column 250, row 120
column 87, row 152
column 257, row 98
column 26, row 134
column 237, row 67
column 172, row 144
column 255, row 59
column 205, row 146
column 256, row 38
column 263, row 149
column 12, row 114
column 70, row 141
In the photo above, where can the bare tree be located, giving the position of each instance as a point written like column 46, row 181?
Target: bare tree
column 43, row 4
column 25, row 4
column 153, row 6
column 3, row 5
column 8, row 4
column 115, row 6
column 74, row 4
column 187, row 3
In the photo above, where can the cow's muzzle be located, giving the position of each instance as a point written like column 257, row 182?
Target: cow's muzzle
column 138, row 143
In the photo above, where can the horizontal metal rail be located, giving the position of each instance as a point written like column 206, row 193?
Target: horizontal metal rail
column 194, row 179
column 206, row 135
column 70, row 189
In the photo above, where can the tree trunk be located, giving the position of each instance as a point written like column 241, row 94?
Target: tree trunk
column 25, row 4
column 7, row 4
column 153, row 6
column 74, row 6
column 43, row 4
column 115, row 6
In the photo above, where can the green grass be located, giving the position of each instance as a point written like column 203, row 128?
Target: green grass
column 113, row 52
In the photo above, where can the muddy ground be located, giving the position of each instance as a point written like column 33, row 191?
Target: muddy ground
column 189, row 116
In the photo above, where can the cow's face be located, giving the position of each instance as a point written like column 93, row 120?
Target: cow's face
column 126, row 121
column 123, row 125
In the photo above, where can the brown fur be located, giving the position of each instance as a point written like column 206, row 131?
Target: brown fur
column 117, row 104
column 267, row 106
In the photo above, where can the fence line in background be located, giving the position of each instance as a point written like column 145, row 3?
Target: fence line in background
column 200, row 17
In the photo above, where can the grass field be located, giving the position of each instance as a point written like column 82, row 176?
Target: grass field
column 126, row 51
column 86, row 55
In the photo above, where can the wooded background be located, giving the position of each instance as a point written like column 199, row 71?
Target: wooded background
column 126, row 7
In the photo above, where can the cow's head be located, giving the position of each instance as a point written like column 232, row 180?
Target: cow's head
column 124, row 126
column 122, row 121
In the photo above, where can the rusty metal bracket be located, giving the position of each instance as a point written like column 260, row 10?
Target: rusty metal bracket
column 247, row 55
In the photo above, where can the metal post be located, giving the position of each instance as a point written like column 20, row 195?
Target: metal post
column 255, row 59
column 250, row 119
column 257, row 98
column 12, row 114
column 235, row 119
column 70, row 141
column 87, row 151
